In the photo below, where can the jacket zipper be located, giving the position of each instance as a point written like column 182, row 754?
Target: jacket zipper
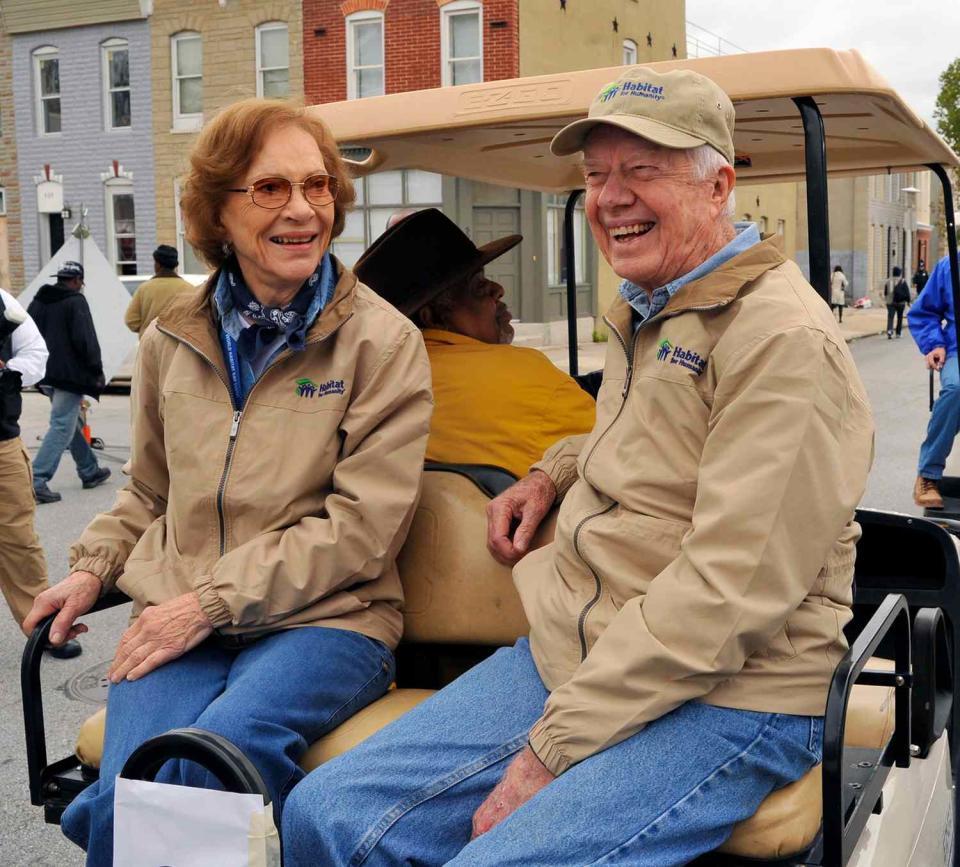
column 629, row 352
column 237, row 418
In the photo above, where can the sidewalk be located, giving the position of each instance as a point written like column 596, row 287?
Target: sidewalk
column 856, row 324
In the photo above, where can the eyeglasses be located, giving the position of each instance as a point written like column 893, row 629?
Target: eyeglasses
column 273, row 193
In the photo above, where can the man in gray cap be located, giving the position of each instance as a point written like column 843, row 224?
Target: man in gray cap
column 686, row 621
column 154, row 295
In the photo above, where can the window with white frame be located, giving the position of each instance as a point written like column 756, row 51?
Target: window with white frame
column 187, row 64
column 46, row 74
column 365, row 66
column 461, row 42
column 556, row 241
column 121, row 227
column 273, row 60
column 189, row 260
column 3, row 202
column 629, row 52
column 379, row 196
column 116, row 83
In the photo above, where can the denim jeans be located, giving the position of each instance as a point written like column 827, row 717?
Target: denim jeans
column 65, row 431
column 674, row 790
column 944, row 423
column 895, row 311
column 272, row 699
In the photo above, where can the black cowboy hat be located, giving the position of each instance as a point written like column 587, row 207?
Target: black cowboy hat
column 420, row 256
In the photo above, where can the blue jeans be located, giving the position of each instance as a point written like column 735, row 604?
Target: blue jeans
column 272, row 699
column 674, row 790
column 65, row 431
column 943, row 425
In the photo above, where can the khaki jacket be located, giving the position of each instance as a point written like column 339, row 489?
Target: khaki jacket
column 152, row 298
column 292, row 512
column 498, row 404
column 705, row 542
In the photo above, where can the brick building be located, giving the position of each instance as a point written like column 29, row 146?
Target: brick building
column 358, row 48
column 207, row 54
column 83, row 126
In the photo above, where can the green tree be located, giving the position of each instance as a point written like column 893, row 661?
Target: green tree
column 947, row 112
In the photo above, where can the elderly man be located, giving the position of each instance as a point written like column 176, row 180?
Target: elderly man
column 493, row 403
column 686, row 621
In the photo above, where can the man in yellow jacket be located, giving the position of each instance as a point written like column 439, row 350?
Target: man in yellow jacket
column 494, row 403
column 153, row 296
column 685, row 622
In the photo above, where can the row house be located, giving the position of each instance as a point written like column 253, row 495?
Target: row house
column 353, row 49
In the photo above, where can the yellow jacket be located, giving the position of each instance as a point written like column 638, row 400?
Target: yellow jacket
column 498, row 404
column 152, row 298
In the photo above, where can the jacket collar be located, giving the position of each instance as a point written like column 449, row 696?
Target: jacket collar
column 441, row 337
column 717, row 289
column 196, row 323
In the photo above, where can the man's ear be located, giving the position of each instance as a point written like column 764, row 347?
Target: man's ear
column 424, row 316
column 723, row 185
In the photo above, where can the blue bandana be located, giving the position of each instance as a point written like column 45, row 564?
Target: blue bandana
column 268, row 323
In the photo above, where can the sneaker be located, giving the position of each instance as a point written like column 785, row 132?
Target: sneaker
column 67, row 650
column 43, row 494
column 98, row 478
column 889, row 335
column 926, row 493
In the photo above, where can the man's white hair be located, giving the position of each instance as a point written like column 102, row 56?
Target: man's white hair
column 706, row 162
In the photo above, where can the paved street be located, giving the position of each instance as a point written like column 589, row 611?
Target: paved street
column 895, row 379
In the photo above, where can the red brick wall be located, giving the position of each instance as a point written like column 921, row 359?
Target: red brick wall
column 412, row 43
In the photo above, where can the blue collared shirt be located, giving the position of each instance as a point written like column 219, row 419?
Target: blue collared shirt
column 646, row 305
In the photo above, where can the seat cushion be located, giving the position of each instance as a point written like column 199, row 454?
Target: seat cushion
column 360, row 726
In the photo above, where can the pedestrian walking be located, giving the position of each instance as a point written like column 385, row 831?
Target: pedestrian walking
column 23, row 567
column 156, row 294
column 896, row 293
column 838, row 291
column 931, row 321
column 73, row 370
column 920, row 277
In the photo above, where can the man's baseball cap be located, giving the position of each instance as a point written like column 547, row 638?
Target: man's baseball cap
column 675, row 109
column 69, row 270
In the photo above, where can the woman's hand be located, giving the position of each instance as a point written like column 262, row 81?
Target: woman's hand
column 160, row 634
column 72, row 597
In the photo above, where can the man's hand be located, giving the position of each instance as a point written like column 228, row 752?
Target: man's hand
column 160, row 634
column 72, row 597
column 527, row 501
column 525, row 776
column 936, row 359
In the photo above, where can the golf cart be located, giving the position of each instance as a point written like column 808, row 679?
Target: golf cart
column 884, row 793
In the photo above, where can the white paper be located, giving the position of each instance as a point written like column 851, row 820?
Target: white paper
column 160, row 825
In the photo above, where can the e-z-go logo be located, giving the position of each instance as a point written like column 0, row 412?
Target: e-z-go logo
column 517, row 96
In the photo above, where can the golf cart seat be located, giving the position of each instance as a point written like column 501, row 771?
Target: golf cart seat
column 457, row 595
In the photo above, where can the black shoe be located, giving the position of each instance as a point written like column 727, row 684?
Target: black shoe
column 43, row 494
column 98, row 478
column 67, row 650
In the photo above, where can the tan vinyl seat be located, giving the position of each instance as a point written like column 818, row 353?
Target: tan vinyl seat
column 456, row 593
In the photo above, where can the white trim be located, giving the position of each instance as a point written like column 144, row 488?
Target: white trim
column 3, row 201
column 350, row 23
column 630, row 53
column 105, row 48
column 261, row 28
column 447, row 13
column 190, row 121
column 45, row 52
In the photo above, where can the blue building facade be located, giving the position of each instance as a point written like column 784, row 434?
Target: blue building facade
column 82, row 98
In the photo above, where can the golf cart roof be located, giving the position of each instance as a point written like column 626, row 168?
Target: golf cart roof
column 500, row 131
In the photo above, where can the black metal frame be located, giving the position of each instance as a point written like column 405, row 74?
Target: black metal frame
column 818, row 210
column 843, row 823
column 570, row 254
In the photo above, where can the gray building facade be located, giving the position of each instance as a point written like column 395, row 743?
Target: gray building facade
column 84, row 124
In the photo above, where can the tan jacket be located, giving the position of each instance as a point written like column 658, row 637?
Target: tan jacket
column 292, row 512
column 705, row 543
column 152, row 298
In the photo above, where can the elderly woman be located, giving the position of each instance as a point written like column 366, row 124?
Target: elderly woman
column 280, row 418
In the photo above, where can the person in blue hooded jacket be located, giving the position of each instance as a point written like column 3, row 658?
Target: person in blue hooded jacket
column 931, row 320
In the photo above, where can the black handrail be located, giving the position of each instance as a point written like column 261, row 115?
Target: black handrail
column 840, row 831
column 32, row 696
